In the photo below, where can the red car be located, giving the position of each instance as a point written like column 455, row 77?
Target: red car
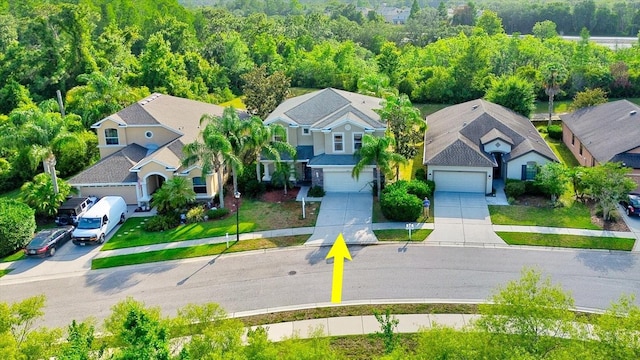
column 46, row 242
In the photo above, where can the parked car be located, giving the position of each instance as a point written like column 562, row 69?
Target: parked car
column 46, row 242
column 72, row 209
column 631, row 204
column 96, row 223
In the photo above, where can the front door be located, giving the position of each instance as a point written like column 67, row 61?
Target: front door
column 497, row 171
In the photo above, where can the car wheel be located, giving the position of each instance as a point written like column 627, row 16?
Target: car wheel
column 101, row 240
column 121, row 219
column 52, row 251
column 628, row 212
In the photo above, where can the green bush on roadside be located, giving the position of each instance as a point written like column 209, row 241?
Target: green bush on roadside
column 17, row 224
column 162, row 222
column 217, row 213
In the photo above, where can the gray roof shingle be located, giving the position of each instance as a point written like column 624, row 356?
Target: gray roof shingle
column 113, row 169
column 455, row 134
column 606, row 130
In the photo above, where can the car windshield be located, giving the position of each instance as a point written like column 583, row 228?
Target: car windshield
column 40, row 239
column 89, row 223
column 635, row 201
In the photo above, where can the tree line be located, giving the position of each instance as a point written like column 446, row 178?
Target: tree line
column 103, row 55
column 528, row 318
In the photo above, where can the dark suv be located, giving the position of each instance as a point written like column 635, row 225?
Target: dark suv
column 72, row 209
column 631, row 204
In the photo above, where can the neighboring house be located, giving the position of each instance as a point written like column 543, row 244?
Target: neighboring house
column 469, row 145
column 141, row 147
column 326, row 127
column 605, row 133
column 391, row 14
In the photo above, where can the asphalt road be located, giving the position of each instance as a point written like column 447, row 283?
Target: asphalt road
column 297, row 276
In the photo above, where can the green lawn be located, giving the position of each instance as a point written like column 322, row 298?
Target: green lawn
column 402, row 235
column 567, row 241
column 559, row 106
column 196, row 251
column 561, row 150
column 575, row 216
column 254, row 216
column 5, row 272
column 18, row 255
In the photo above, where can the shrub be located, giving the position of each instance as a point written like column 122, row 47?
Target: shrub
column 555, row 132
column 418, row 188
column 532, row 188
column 17, row 224
column 420, row 174
column 217, row 213
column 162, row 222
column 514, row 188
column 195, row 214
column 432, row 186
column 316, row 191
column 400, row 206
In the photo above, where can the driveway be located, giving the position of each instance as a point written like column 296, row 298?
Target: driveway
column 462, row 218
column 346, row 213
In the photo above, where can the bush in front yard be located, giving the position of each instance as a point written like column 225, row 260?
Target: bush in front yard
column 162, row 222
column 316, row 191
column 217, row 213
column 514, row 188
column 17, row 224
column 418, row 188
column 195, row 214
column 399, row 205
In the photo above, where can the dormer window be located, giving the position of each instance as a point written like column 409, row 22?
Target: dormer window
column 338, row 142
column 111, row 136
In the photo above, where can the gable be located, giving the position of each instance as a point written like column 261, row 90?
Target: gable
column 461, row 153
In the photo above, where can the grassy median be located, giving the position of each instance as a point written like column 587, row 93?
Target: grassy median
column 567, row 241
column 576, row 216
column 402, row 235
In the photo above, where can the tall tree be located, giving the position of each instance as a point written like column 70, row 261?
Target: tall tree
column 607, row 184
column 554, row 75
column 265, row 140
column 404, row 123
column 379, row 151
column 40, row 194
column 514, row 93
column 490, row 22
column 264, row 92
column 553, row 179
column 588, row 97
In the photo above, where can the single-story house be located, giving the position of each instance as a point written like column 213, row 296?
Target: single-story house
column 469, row 145
column 326, row 127
column 141, row 147
column 605, row 133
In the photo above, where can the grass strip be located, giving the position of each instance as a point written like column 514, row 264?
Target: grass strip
column 567, row 241
column 196, row 251
column 4, row 272
column 18, row 255
column 576, row 216
column 402, row 235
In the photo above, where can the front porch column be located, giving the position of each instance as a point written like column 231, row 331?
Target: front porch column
column 267, row 172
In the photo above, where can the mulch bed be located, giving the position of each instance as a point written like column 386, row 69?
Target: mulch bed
column 278, row 195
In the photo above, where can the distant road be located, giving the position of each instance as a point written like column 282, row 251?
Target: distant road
column 302, row 276
column 612, row 42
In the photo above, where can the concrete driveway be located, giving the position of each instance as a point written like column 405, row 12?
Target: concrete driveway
column 462, row 218
column 346, row 213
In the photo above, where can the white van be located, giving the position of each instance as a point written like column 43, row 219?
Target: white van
column 96, row 223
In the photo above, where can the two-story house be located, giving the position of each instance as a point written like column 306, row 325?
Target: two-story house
column 141, row 147
column 326, row 127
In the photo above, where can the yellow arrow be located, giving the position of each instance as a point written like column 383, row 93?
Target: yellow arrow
column 338, row 252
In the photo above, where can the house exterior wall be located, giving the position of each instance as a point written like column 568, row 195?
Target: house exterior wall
column 152, row 168
column 302, row 138
column 514, row 167
column 106, row 150
column 487, row 170
column 318, row 142
column 211, row 181
column 497, row 146
column 128, row 192
column 585, row 159
column 159, row 136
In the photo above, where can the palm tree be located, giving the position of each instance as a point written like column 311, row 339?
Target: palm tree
column 213, row 153
column 40, row 195
column 174, row 195
column 262, row 142
column 376, row 150
column 554, row 75
column 282, row 175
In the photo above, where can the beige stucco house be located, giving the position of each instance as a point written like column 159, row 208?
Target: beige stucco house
column 326, row 127
column 469, row 145
column 141, row 147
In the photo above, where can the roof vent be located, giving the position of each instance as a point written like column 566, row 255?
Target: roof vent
column 464, row 124
column 143, row 102
column 474, row 107
column 632, row 112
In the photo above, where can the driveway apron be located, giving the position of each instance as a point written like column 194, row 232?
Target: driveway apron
column 462, row 218
column 346, row 213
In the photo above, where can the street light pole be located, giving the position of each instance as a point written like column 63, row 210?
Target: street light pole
column 237, row 196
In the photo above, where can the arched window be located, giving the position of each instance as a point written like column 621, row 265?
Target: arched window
column 111, row 136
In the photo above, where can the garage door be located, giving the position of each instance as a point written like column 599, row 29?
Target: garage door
column 341, row 181
column 460, row 181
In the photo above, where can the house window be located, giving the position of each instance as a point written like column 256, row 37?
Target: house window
column 357, row 141
column 199, row 185
column 338, row 142
column 580, row 148
column 306, row 131
column 531, row 171
column 111, row 136
column 573, row 139
column 148, row 134
column 593, row 162
column 280, row 137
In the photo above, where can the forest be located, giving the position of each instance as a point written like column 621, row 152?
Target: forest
column 102, row 55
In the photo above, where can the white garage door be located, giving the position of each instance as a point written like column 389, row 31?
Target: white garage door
column 460, row 181
column 341, row 181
